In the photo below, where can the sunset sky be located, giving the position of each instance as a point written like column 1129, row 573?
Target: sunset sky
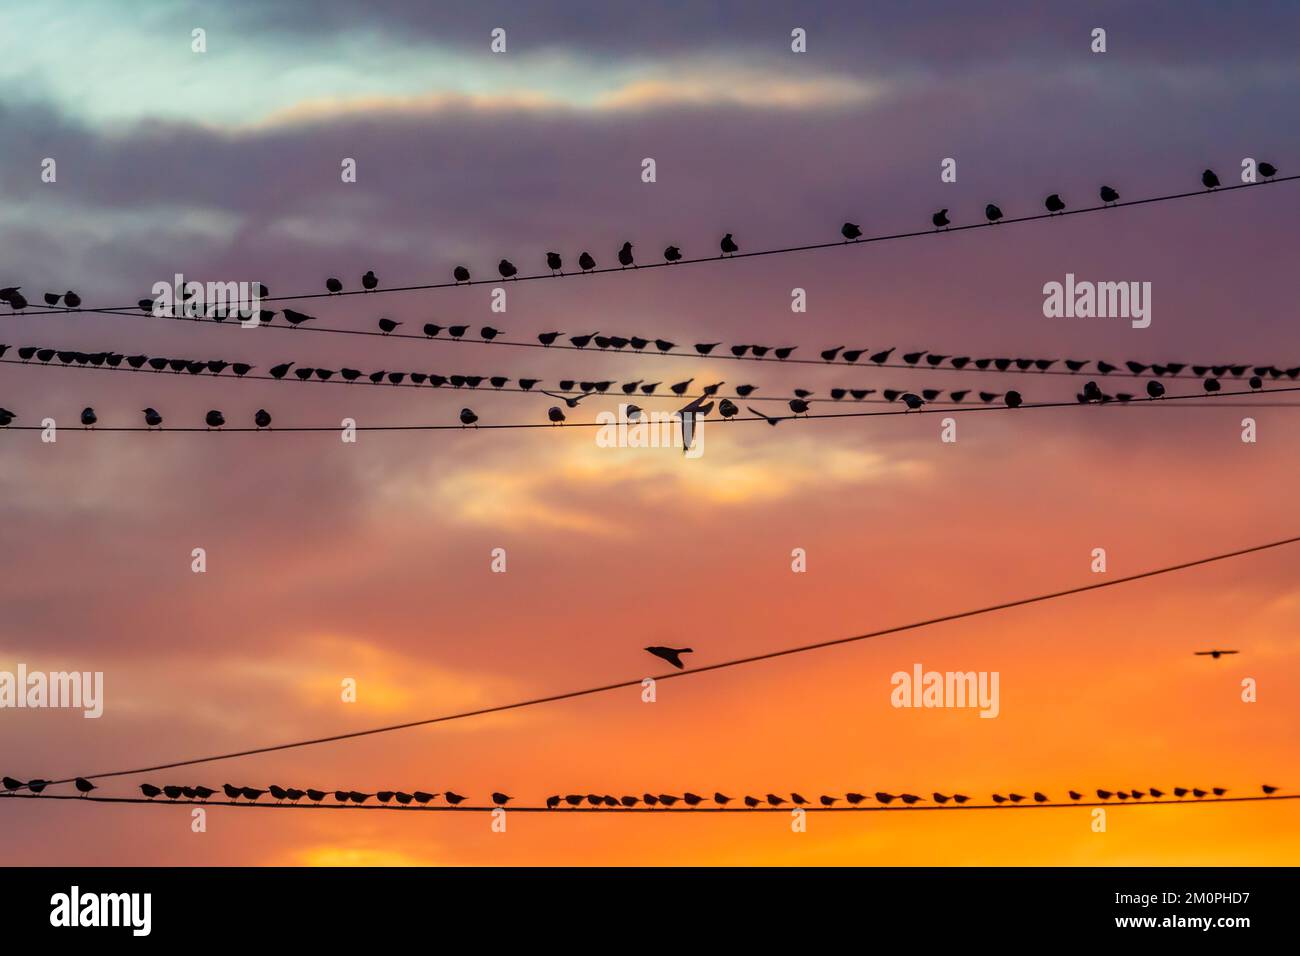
column 373, row 560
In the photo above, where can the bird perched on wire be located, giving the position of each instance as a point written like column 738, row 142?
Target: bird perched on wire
column 1267, row 170
column 556, row 415
column 88, row 417
column 1209, row 180
column 1155, row 389
column 728, row 245
column 467, row 418
column 555, row 263
column 672, row 254
column 369, row 282
column 673, row 655
column 460, row 274
column 851, row 232
column 585, row 262
column 262, row 419
column 296, row 319
column 333, row 286
column 1054, row 203
column 992, row 213
column 625, row 255
column 214, row 419
column 388, row 325
column 507, row 269
column 940, row 219
column 1108, row 195
column 84, row 786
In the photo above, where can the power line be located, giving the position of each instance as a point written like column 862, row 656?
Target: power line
column 704, row 669
column 657, row 811
column 507, row 426
column 970, row 365
column 783, row 250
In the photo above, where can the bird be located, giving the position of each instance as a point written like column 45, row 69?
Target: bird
column 1039, row 797
column 625, row 255
column 1267, row 170
column 1155, row 793
column 767, row 418
column 489, row 333
column 333, row 285
column 460, row 274
column 721, row 799
column 1216, row 654
column 1013, row 399
column 149, row 790
column 467, row 417
column 507, row 269
column 369, row 282
column 555, row 414
column 728, row 245
column 250, row 793
column 1155, row 389
column 1104, row 794
column 387, row 325
column 297, row 318
column 851, row 232
column 727, row 408
column 88, row 417
column 798, row 406
column 500, row 799
column 1054, row 203
column 1268, row 790
column 1211, row 385
column 586, row 262
column 262, row 419
column 672, row 254
column 940, row 219
column 913, row 402
column 992, row 213
column 1209, row 180
column 83, row 785
column 1075, row 795
column 854, row 799
column 1108, row 195
column 885, row 798
column 555, row 263
column 773, row 800
column 214, row 419
column 151, row 418
column 673, row 655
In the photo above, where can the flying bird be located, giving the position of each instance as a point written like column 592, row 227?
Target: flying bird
column 1216, row 654
column 767, row 418
column 673, row 655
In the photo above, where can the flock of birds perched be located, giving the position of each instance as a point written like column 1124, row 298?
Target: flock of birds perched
column 728, row 246
column 555, row 801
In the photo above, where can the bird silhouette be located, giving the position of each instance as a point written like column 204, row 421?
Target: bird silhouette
column 1155, row 389
column 388, row 325
column 73, row 301
column 854, row 799
column 1013, row 399
column 1267, row 170
column 83, row 785
column 88, row 417
column 501, row 799
column 728, row 245
column 333, row 285
column 1040, row 797
column 940, row 219
column 262, row 419
column 555, row 414
column 296, row 319
column 752, row 802
column 460, row 274
column 214, row 419
column 1108, row 195
column 1198, row 793
column 1054, row 204
column 1104, row 794
column 672, row 254
column 467, row 417
column 507, row 269
column 586, row 262
column 1216, row 654
column 992, row 213
column 727, row 408
column 1209, row 180
column 1155, row 793
column 913, row 402
column 767, row 418
column 851, row 232
column 1268, row 790
column 1180, row 792
column 250, row 793
column 1211, row 385
column 369, row 282
column 721, row 799
column 149, row 790
column 670, row 654
column 555, row 263
column 625, row 255
column 1074, row 795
